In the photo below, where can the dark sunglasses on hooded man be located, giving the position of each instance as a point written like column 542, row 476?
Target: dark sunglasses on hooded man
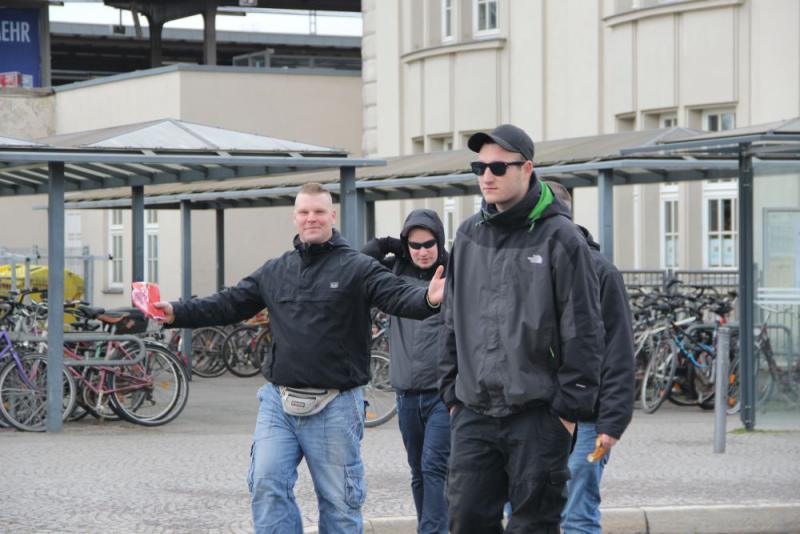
column 425, row 244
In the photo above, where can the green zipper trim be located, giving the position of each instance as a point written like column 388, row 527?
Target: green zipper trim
column 552, row 354
column 545, row 199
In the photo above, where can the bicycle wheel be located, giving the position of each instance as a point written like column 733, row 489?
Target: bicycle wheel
column 207, row 360
column 658, row 377
column 23, row 393
column 239, row 351
column 88, row 397
column 379, row 393
column 764, row 380
column 150, row 393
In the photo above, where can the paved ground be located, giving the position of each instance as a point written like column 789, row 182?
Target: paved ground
column 188, row 476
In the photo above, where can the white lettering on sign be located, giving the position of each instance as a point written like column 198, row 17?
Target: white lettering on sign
column 15, row 31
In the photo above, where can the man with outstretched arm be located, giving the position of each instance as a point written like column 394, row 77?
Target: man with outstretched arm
column 319, row 295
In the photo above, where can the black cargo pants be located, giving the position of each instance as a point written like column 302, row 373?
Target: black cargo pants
column 521, row 458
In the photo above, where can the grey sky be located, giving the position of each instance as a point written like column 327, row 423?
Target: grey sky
column 274, row 21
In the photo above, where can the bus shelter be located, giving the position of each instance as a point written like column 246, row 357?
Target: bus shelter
column 134, row 156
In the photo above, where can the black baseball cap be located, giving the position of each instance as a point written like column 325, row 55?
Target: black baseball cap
column 508, row 136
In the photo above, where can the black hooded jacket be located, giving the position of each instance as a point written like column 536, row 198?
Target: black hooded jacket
column 319, row 297
column 617, row 389
column 522, row 311
column 415, row 345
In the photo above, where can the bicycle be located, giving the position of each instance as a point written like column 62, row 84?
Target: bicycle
column 379, row 393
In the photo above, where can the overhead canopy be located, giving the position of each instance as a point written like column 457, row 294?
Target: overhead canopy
column 576, row 162
column 158, row 152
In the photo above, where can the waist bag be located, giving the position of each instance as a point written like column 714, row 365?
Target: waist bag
column 305, row 401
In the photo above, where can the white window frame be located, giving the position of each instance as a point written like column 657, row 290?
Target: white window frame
column 719, row 113
column 448, row 9
column 669, row 194
column 451, row 215
column 116, row 231
column 721, row 191
column 151, row 231
column 668, row 120
column 476, row 6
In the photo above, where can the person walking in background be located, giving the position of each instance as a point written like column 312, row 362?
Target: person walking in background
column 524, row 341
column 319, row 295
column 614, row 408
column 415, row 346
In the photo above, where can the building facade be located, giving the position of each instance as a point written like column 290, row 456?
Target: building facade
column 436, row 71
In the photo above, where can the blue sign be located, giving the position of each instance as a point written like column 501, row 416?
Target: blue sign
column 19, row 44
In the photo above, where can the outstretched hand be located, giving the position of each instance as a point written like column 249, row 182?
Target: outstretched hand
column 436, row 287
column 166, row 307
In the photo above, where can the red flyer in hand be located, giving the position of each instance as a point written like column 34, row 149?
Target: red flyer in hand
column 144, row 296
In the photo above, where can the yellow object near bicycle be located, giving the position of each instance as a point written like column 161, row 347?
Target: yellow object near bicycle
column 73, row 284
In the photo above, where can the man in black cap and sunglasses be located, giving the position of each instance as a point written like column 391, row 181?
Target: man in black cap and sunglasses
column 523, row 344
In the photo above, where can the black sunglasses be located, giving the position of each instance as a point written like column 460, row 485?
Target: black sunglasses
column 426, row 244
column 498, row 168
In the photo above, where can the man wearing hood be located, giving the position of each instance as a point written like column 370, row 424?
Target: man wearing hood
column 521, row 362
column 415, row 345
column 319, row 296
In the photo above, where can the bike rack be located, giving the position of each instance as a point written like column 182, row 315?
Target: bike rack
column 91, row 362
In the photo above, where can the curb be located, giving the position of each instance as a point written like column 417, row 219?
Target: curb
column 709, row 519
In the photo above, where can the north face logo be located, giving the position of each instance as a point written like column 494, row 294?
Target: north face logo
column 535, row 259
column 334, row 285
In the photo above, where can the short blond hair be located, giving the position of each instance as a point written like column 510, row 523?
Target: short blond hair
column 314, row 188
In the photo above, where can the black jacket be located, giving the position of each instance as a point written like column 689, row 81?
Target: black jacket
column 319, row 298
column 415, row 345
column 617, row 389
column 523, row 313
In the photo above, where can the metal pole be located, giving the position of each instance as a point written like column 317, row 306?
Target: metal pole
column 13, row 266
column 353, row 207
column 721, row 387
column 746, row 280
column 210, row 33
column 137, row 233
column 370, row 215
column 55, row 297
column 605, row 200
column 27, row 272
column 88, row 275
column 186, row 277
column 220, row 248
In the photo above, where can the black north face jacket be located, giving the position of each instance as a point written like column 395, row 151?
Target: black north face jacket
column 522, row 308
column 617, row 385
column 415, row 345
column 318, row 298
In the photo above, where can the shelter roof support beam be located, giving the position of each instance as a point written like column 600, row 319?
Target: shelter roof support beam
column 353, row 207
column 605, row 208
column 55, row 298
column 746, row 282
column 210, row 33
column 186, row 277
column 220, row 231
column 137, row 224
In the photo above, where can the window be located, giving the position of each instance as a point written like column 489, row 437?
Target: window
column 151, row 255
column 721, row 232
column 151, row 247
column 670, row 235
column 485, row 16
column 667, row 120
column 115, row 248
column 719, row 120
column 447, row 20
column 450, row 221
column 440, row 143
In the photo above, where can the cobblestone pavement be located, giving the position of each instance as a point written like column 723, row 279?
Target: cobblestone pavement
column 188, row 476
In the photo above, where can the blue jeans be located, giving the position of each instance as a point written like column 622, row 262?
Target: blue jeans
column 425, row 427
column 582, row 511
column 330, row 441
